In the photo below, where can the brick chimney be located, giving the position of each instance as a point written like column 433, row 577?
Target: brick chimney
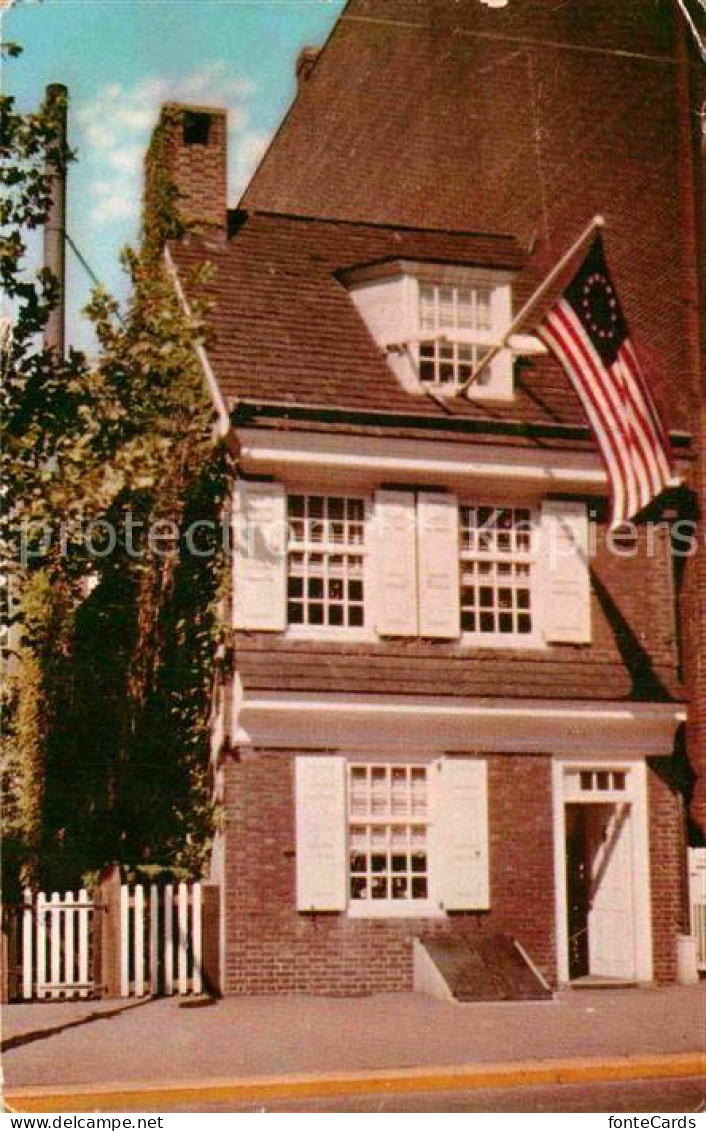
column 188, row 154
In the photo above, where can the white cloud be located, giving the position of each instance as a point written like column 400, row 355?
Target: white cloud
column 245, row 156
column 115, row 127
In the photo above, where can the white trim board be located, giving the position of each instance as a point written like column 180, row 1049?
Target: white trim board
column 291, row 720
column 372, row 459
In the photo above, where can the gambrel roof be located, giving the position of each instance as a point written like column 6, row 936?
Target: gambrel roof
column 460, row 116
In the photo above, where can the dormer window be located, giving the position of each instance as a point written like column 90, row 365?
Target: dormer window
column 462, row 321
column 435, row 322
column 465, row 312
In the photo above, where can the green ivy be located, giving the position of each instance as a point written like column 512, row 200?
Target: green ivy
column 108, row 694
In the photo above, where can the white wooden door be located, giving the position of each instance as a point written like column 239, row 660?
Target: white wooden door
column 611, row 917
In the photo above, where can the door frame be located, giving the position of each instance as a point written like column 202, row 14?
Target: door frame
column 565, row 771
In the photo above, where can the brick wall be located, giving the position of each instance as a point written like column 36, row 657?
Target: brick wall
column 197, row 168
column 693, row 103
column 667, row 869
column 270, row 948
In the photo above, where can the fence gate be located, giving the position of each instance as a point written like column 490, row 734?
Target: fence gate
column 123, row 942
column 161, row 947
column 57, row 945
column 697, row 902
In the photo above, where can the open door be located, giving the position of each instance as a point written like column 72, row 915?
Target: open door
column 600, row 895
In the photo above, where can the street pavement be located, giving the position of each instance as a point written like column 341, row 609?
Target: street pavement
column 173, row 1042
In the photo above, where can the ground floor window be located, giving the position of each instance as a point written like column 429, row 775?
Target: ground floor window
column 378, row 837
column 388, row 815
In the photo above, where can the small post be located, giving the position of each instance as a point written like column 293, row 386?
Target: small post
column 211, row 939
column 110, row 931
column 55, row 224
column 5, row 957
column 27, row 946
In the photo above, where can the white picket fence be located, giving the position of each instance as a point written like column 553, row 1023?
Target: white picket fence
column 56, row 945
column 697, row 902
column 161, row 945
column 160, row 942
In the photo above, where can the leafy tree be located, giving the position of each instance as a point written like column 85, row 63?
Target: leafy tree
column 106, row 734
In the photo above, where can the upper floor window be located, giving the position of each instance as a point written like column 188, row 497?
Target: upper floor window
column 462, row 320
column 325, row 566
column 497, row 571
column 411, row 563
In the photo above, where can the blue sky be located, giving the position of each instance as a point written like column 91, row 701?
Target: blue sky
column 120, row 60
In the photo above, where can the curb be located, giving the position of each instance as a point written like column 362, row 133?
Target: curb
column 244, row 1090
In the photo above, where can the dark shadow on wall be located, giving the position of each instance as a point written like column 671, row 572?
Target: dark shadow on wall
column 678, row 774
column 646, row 684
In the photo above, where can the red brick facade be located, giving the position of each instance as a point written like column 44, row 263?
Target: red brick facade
column 271, row 948
column 668, row 870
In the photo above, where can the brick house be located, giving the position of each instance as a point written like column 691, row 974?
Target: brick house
column 455, row 711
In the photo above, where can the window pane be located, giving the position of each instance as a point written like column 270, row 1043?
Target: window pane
column 379, row 887
column 427, row 315
column 399, row 887
column 446, row 306
column 453, row 309
column 359, row 887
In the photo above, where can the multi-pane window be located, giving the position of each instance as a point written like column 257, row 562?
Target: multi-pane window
column 388, row 814
column 497, row 566
column 602, row 780
column 462, row 314
column 325, row 560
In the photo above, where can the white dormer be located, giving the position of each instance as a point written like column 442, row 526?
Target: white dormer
column 435, row 322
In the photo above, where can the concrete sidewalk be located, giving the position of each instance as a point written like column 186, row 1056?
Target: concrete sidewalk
column 170, row 1043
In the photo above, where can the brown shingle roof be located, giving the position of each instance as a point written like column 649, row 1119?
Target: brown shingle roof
column 286, row 331
column 526, row 119
column 421, row 667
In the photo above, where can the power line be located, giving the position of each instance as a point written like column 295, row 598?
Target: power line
column 87, row 268
column 82, row 260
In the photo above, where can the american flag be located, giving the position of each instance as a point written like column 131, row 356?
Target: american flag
column 587, row 331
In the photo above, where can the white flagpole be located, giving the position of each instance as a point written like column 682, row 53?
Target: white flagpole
column 596, row 222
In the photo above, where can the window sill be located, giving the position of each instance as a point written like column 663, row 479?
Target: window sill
column 384, row 909
column 324, row 633
column 509, row 642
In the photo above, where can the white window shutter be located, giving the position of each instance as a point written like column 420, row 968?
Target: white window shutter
column 260, row 556
column 462, row 817
column 396, row 563
column 566, row 588
column 320, row 791
column 439, row 597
